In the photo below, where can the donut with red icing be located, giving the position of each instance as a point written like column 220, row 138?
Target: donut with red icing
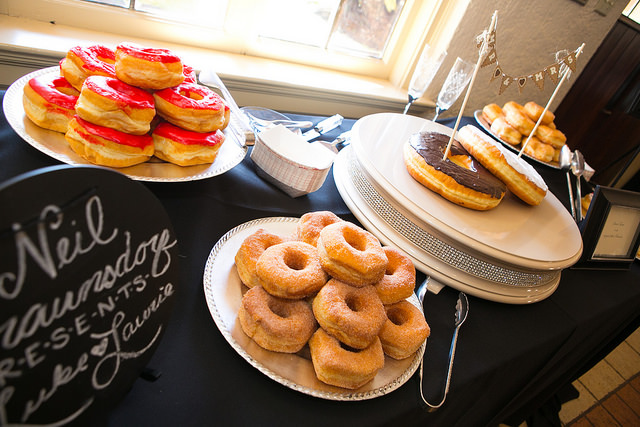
column 109, row 102
column 185, row 147
column 189, row 74
column 82, row 62
column 49, row 101
column 148, row 68
column 193, row 107
column 107, row 147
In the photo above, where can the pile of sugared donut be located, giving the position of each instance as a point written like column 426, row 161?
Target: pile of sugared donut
column 333, row 286
column 119, row 108
column 513, row 123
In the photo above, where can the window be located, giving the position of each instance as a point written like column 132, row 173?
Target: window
column 632, row 11
column 360, row 27
column 374, row 38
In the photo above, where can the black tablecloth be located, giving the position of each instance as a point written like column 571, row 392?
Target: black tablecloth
column 510, row 358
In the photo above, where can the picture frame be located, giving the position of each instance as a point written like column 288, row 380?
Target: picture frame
column 610, row 230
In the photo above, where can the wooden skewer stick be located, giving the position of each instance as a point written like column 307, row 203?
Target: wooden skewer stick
column 492, row 26
column 553, row 95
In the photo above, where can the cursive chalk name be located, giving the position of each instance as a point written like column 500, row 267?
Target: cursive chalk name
column 122, row 331
column 84, row 298
column 16, row 328
column 50, row 257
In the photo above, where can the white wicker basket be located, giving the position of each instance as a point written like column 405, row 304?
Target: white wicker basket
column 291, row 176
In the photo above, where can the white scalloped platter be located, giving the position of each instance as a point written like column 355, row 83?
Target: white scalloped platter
column 54, row 144
column 223, row 292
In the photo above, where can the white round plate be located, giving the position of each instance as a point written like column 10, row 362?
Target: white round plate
column 223, row 292
column 447, row 267
column 54, row 144
column 482, row 122
column 542, row 237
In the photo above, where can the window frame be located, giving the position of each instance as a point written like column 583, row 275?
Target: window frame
column 395, row 65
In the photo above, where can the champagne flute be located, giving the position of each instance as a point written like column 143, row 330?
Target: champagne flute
column 428, row 65
column 457, row 79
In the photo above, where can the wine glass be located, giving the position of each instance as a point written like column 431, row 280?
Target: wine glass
column 426, row 69
column 457, row 79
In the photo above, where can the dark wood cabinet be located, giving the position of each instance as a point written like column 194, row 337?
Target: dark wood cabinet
column 601, row 113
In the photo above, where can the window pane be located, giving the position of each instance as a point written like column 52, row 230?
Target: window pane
column 121, row 3
column 301, row 21
column 360, row 28
column 364, row 26
column 632, row 11
column 210, row 13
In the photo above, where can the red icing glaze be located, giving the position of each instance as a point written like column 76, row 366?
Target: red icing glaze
column 92, row 131
column 192, row 96
column 96, row 58
column 187, row 137
column 49, row 88
column 189, row 74
column 148, row 54
column 122, row 93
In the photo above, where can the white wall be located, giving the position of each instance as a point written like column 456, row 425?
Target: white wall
column 529, row 33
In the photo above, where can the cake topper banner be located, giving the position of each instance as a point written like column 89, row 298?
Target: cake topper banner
column 552, row 70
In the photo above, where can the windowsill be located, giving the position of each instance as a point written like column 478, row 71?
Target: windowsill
column 28, row 44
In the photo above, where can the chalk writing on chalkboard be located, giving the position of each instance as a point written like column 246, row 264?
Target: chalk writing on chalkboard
column 85, row 291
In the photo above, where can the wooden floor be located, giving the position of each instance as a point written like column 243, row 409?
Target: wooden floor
column 620, row 408
column 610, row 391
column 609, row 394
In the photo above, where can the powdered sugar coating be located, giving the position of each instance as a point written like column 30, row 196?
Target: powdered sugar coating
column 517, row 163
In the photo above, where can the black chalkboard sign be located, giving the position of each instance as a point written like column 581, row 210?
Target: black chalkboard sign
column 88, row 273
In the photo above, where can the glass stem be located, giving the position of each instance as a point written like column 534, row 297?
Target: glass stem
column 438, row 111
column 411, row 100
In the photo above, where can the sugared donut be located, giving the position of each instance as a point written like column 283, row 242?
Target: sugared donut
column 276, row 324
column 250, row 250
column 107, row 147
column 343, row 367
column 351, row 254
column 404, row 331
column 49, row 101
column 534, row 111
column 109, row 102
column 82, row 62
column 148, row 68
column 491, row 112
column 519, row 176
column 399, row 278
column 291, row 270
column 192, row 107
column 539, row 150
column 516, row 117
column 311, row 223
column 185, row 147
column 505, row 131
column 352, row 315
column 459, row 178
column 551, row 136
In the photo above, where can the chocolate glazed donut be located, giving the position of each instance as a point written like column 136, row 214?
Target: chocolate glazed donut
column 458, row 178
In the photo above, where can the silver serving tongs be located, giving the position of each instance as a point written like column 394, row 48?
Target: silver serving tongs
column 462, row 309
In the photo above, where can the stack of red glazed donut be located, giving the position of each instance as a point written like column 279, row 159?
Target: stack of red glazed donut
column 334, row 287
column 120, row 107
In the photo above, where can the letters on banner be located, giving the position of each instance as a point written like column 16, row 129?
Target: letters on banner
column 552, row 71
